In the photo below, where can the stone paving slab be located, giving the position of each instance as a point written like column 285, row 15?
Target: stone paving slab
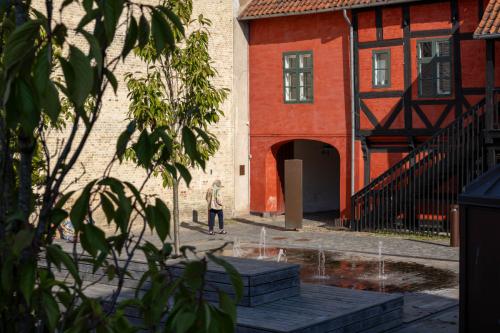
column 443, row 322
column 247, row 230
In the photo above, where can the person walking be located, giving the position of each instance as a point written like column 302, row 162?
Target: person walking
column 215, row 207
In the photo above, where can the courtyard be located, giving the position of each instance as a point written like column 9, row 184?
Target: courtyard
column 433, row 310
column 429, row 306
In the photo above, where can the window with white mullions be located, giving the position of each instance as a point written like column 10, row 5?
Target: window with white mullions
column 298, row 77
column 434, row 67
column 381, row 75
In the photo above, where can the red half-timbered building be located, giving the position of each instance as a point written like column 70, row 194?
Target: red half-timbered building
column 383, row 100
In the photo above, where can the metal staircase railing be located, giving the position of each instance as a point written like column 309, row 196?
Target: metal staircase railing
column 416, row 194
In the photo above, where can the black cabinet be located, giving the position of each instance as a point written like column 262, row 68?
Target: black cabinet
column 480, row 255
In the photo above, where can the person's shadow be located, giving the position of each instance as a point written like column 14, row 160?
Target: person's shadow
column 200, row 227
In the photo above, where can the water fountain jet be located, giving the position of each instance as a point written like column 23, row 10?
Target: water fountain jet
column 236, row 247
column 321, row 274
column 262, row 244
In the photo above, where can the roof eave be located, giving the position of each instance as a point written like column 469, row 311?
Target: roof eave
column 360, row 6
column 487, row 36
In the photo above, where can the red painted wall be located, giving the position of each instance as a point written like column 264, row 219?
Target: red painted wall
column 422, row 17
column 273, row 122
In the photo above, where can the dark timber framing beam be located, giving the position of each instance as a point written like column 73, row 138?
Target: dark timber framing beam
column 407, row 66
column 366, row 159
column 457, row 62
column 431, row 33
column 380, row 43
column 379, row 24
column 381, row 94
column 389, row 149
column 356, row 67
column 397, row 132
column 394, row 114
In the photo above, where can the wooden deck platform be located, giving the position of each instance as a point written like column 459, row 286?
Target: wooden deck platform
column 263, row 281
column 277, row 308
column 324, row 309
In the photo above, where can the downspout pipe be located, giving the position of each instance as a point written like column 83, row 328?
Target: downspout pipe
column 353, row 109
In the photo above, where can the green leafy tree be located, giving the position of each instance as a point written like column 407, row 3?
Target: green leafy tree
column 42, row 286
column 177, row 94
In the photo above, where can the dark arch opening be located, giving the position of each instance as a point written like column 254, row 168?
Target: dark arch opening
column 321, row 175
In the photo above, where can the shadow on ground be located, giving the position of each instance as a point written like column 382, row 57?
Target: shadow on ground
column 259, row 224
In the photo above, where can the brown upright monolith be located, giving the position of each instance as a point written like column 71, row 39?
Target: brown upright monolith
column 293, row 194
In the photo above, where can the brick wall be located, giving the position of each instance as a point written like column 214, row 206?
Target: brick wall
column 101, row 144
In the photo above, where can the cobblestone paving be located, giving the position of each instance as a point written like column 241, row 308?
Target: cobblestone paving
column 314, row 234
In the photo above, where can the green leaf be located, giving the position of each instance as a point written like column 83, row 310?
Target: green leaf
column 59, row 33
column 144, row 149
column 81, row 80
column 27, row 279
column 173, row 18
column 66, row 3
column 151, row 216
column 63, row 199
column 87, row 5
column 56, row 216
column 81, row 206
column 24, row 104
column 227, row 305
column 189, row 140
column 50, row 101
column 163, row 219
column 143, row 31
column 136, row 193
column 112, row 79
column 107, row 207
column 41, row 71
column 95, row 49
column 184, row 321
column 51, row 309
column 234, row 276
column 93, row 239
column 161, row 31
column 130, row 38
column 123, row 139
column 48, row 96
column 112, row 11
column 193, row 274
column 57, row 256
column 20, row 43
column 184, row 173
column 87, row 18
column 22, row 240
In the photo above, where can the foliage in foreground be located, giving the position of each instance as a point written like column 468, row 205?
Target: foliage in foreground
column 36, row 77
column 176, row 95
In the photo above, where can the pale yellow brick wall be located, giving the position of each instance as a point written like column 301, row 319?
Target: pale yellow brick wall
column 101, row 144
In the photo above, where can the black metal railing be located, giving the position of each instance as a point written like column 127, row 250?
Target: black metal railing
column 416, row 194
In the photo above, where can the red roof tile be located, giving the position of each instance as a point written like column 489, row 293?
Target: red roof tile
column 489, row 27
column 266, row 8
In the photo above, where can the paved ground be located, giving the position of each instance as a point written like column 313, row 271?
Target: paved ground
column 426, row 311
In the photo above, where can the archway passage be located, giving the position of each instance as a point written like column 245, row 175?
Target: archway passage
column 321, row 176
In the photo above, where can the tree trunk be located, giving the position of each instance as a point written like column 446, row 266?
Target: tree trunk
column 176, row 216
